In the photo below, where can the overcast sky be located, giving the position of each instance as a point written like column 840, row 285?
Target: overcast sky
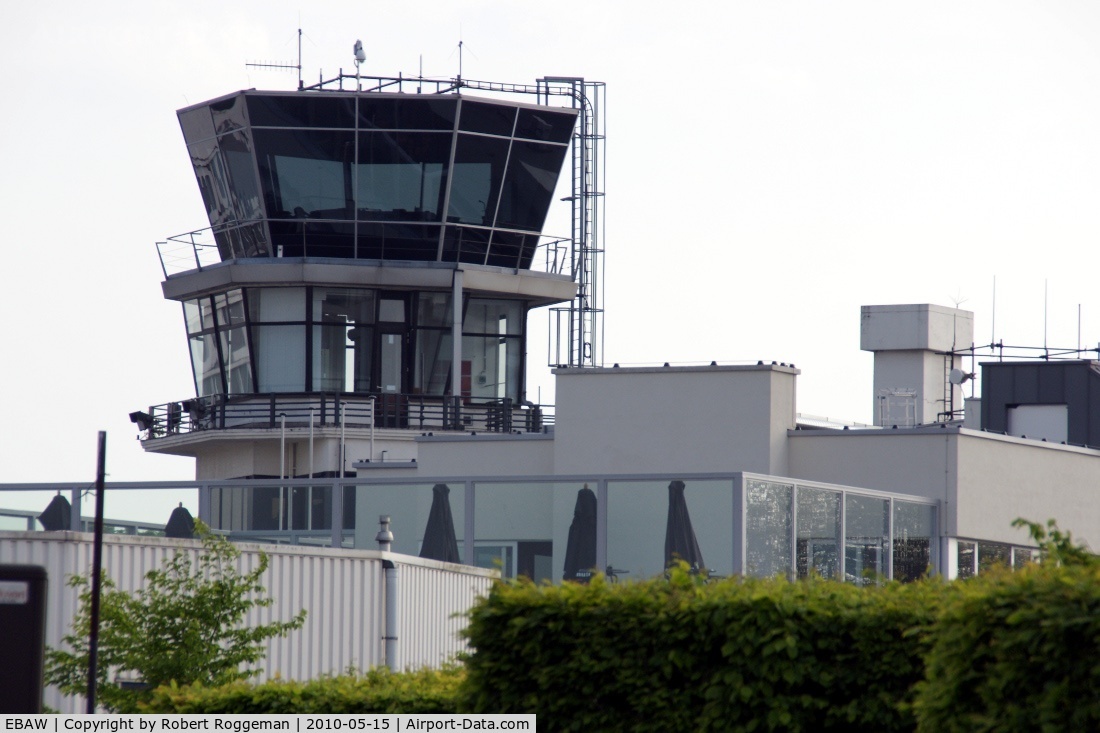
column 771, row 167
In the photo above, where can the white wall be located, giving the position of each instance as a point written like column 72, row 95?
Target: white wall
column 485, row 454
column 985, row 481
column 916, row 461
column 256, row 453
column 1002, row 478
column 342, row 591
column 664, row 420
column 904, row 339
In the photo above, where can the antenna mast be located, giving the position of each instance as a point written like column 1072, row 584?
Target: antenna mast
column 298, row 66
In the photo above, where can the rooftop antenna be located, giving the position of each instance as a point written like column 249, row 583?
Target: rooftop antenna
column 461, row 46
column 993, row 329
column 1046, row 353
column 298, row 66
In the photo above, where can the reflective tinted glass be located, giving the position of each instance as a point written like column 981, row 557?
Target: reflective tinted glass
column 913, row 525
column 768, row 518
column 213, row 181
column 229, row 114
column 544, row 124
column 280, row 358
column 401, row 175
column 320, row 110
column 306, row 173
column 465, row 244
column 867, row 543
column 817, row 548
column 236, row 149
column 405, row 113
column 493, row 317
column 398, row 242
column 276, row 304
column 196, row 125
column 434, row 309
column 532, row 175
column 432, row 367
column 475, row 179
column 495, row 119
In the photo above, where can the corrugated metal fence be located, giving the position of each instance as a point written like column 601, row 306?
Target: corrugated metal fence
column 343, row 592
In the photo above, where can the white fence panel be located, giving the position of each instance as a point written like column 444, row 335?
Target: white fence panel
column 342, row 591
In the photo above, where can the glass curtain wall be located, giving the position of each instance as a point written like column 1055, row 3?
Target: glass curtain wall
column 867, row 538
column 298, row 339
column 218, row 338
column 377, row 176
column 653, row 523
column 492, row 349
column 870, row 552
column 768, row 521
column 914, row 530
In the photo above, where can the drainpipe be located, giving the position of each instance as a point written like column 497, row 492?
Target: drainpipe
column 385, row 541
column 282, row 466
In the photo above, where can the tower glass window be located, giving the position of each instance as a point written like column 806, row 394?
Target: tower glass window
column 376, row 176
column 352, row 340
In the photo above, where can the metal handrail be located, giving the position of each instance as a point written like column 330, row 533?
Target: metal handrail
column 270, row 411
column 197, row 250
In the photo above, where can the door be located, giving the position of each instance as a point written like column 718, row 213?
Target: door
column 390, row 378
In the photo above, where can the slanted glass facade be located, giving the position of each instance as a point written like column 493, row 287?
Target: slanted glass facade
column 377, row 176
column 353, row 340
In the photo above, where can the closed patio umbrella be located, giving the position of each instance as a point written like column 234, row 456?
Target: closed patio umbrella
column 439, row 534
column 180, row 524
column 680, row 542
column 580, row 549
column 57, row 514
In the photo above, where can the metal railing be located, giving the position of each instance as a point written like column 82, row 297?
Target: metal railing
column 401, row 411
column 198, row 250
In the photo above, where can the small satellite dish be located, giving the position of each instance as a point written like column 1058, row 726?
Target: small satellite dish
column 958, row 376
column 360, row 54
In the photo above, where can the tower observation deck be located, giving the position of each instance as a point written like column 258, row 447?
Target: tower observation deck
column 371, row 259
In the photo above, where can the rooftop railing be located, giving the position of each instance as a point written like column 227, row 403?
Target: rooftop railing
column 198, row 250
column 402, row 411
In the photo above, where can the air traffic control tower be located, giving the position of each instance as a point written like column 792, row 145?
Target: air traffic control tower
column 374, row 248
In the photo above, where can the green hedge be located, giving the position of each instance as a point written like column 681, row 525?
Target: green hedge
column 1017, row 651
column 685, row 655
column 377, row 691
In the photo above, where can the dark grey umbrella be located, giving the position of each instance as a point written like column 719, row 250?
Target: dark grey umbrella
column 56, row 515
column 680, row 542
column 180, row 524
column 580, row 550
column 439, row 534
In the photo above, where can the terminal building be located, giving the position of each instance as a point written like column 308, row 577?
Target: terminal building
column 356, row 320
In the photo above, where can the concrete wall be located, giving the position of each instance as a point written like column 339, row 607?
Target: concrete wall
column 1002, row 478
column 984, row 481
column 904, row 339
column 486, row 454
column 225, row 455
column 914, row 461
column 664, row 420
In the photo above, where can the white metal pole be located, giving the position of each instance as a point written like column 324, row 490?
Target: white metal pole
column 371, row 457
column 343, row 427
column 282, row 466
column 391, row 616
column 309, row 502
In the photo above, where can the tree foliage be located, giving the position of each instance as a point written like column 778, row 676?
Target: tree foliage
column 185, row 625
column 1057, row 546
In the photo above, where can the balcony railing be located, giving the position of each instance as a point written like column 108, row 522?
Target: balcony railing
column 403, row 411
column 198, row 250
